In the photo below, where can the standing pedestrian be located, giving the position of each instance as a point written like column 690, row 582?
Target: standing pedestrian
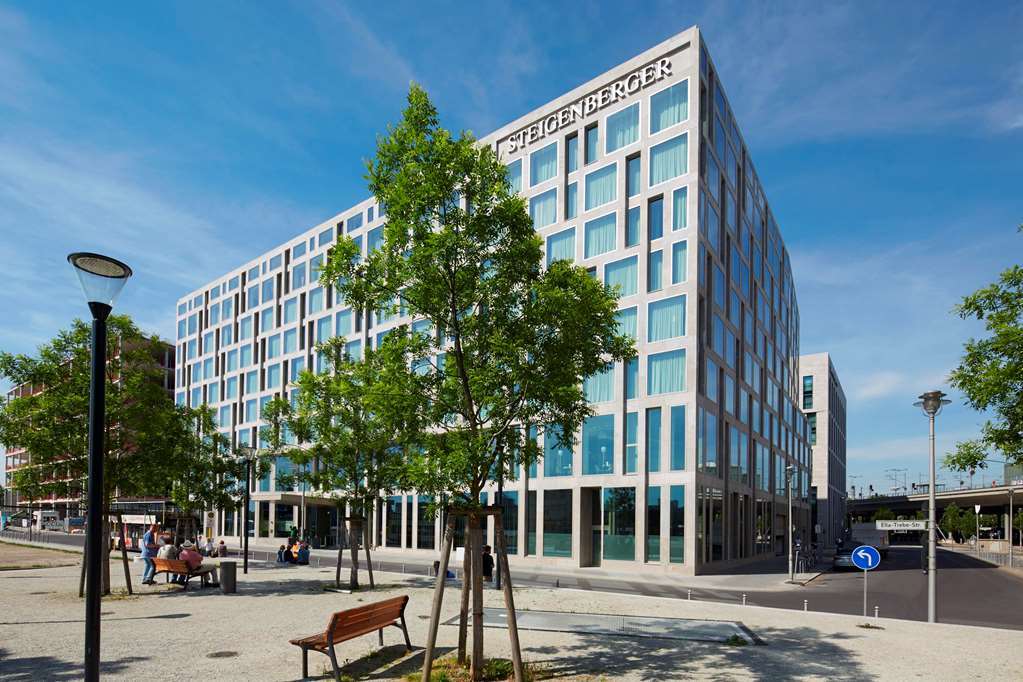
column 488, row 564
column 149, row 550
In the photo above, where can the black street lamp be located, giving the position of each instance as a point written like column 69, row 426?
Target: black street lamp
column 102, row 279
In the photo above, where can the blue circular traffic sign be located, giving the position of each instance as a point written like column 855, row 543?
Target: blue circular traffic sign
column 866, row 557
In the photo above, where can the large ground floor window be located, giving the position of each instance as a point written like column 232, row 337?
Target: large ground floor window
column 620, row 524
column 557, row 523
column 510, row 520
column 425, row 521
column 394, row 521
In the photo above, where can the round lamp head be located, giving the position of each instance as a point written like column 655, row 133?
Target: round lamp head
column 932, row 402
column 102, row 277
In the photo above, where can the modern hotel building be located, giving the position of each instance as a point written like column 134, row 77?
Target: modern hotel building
column 642, row 177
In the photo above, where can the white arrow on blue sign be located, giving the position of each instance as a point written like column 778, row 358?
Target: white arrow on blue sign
column 866, row 557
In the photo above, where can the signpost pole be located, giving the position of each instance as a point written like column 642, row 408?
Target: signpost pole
column 865, row 572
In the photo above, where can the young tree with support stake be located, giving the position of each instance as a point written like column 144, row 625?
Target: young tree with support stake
column 350, row 428
column 512, row 341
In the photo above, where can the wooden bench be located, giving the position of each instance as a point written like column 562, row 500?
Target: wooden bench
column 180, row 567
column 345, row 625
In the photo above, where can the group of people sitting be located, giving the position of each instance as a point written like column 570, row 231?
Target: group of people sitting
column 166, row 546
column 294, row 552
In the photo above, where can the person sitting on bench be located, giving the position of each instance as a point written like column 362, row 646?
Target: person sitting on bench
column 194, row 561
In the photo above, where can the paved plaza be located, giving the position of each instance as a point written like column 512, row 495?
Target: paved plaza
column 162, row 631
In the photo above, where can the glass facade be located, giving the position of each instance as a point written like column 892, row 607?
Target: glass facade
column 655, row 193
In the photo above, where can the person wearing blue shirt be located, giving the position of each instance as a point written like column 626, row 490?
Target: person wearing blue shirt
column 149, row 550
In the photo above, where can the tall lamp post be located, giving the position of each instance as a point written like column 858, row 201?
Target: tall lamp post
column 931, row 403
column 789, row 470
column 102, row 279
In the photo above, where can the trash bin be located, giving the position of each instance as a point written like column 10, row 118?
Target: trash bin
column 228, row 577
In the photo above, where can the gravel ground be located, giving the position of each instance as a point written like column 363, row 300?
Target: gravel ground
column 163, row 632
column 14, row 556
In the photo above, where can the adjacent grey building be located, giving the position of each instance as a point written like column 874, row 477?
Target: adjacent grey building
column 823, row 403
column 641, row 176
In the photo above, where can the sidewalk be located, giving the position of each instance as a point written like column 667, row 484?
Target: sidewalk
column 769, row 576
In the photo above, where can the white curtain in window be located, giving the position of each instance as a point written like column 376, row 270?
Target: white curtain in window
column 666, row 319
column 514, row 170
column 599, row 387
column 669, row 107
column 666, row 372
column 622, row 128
column 571, row 201
column 375, row 238
column 624, row 274
column 601, row 186
column 344, row 322
column 669, row 159
column 679, row 216
column 561, row 246
column 627, row 321
column 543, row 164
column 543, row 208
column 679, row 265
column 600, row 235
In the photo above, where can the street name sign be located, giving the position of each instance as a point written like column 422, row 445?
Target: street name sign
column 901, row 525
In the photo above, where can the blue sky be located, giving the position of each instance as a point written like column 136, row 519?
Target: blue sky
column 187, row 137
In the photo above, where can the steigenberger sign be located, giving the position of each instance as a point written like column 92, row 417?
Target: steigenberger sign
column 586, row 106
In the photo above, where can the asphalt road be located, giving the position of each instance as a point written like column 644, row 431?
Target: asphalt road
column 970, row 591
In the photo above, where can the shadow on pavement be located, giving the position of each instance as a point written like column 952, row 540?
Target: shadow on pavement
column 50, row 668
column 790, row 652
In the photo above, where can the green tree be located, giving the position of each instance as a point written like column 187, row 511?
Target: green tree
column 51, row 424
column 990, row 373
column 351, row 428
column 514, row 340
column 951, row 520
column 884, row 514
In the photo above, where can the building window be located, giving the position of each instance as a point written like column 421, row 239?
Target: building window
column 266, row 320
column 290, row 311
column 557, row 523
column 666, row 319
column 600, row 236
column 323, row 329
column 325, row 237
column 343, row 320
column 679, row 209
column 394, row 521
column 669, row 159
column 678, row 438
column 591, row 144
column 425, row 520
column 273, row 376
column 655, row 219
column 246, row 355
column 632, row 226
column 543, row 208
column 598, row 445
column 561, row 246
column 653, row 439
column 622, row 128
column 620, row 524
column 631, row 442
column 623, row 274
column 666, row 372
column 679, row 266
column 557, row 456
column 245, row 328
column 653, row 523
column 543, row 164
column 669, row 107
column 811, row 420
column 807, row 392
column 290, row 340
column 601, row 186
column 316, row 300
column 374, row 239
column 599, row 387
column 572, row 153
column 510, row 520
column 273, row 346
column 514, row 175
column 677, row 525
column 571, row 201
column 655, row 267
column 633, row 175
column 631, row 378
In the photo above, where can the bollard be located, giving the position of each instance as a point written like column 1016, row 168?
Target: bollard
column 806, row 605
column 557, row 582
column 875, row 612
column 403, row 568
column 228, row 577
column 744, row 599
column 689, row 595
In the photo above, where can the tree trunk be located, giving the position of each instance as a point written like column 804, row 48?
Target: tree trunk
column 438, row 597
column 354, row 526
column 476, row 547
column 509, row 599
column 463, row 612
column 124, row 552
column 340, row 548
column 369, row 562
